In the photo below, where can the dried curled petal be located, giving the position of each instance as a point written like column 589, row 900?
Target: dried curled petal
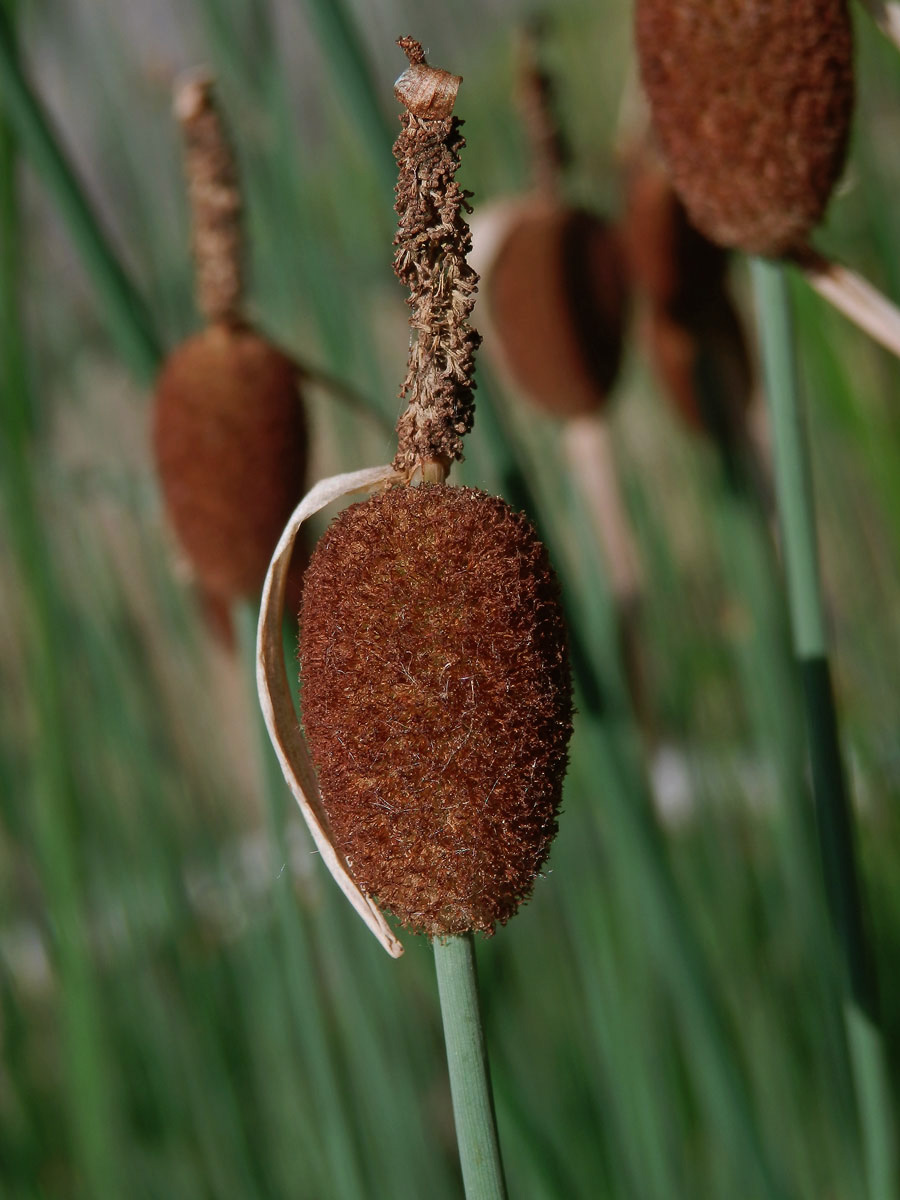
column 437, row 702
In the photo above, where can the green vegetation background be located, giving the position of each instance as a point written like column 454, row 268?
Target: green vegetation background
column 188, row 1008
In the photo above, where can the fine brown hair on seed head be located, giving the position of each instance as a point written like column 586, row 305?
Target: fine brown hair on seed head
column 436, row 699
column 752, row 104
column 230, row 440
column 558, row 297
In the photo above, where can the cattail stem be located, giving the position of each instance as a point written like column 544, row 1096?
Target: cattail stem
column 794, row 486
column 853, row 296
column 470, row 1083
column 129, row 321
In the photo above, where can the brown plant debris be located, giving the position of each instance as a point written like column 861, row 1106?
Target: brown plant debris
column 752, row 103
column 536, row 94
column 431, row 247
column 437, row 702
column 231, row 442
column 215, row 199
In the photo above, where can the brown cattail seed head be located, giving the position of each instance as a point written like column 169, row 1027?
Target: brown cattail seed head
column 670, row 261
column 437, row 702
column 558, row 295
column 230, row 440
column 752, row 104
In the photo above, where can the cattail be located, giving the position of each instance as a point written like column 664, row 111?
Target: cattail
column 436, row 691
column 691, row 326
column 230, row 440
column 671, row 264
column 230, row 432
column 556, row 297
column 436, row 700
column 556, row 300
column 555, row 291
column 752, row 105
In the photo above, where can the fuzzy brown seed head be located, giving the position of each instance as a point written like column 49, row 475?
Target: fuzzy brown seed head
column 231, row 443
column 752, row 104
column 670, row 261
column 437, row 702
column 558, row 297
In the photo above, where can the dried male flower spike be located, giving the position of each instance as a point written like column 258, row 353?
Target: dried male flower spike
column 752, row 104
column 437, row 702
column 230, row 433
column 432, row 243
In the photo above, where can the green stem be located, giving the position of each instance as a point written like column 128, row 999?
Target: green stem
column 129, row 322
column 470, row 1082
column 794, row 484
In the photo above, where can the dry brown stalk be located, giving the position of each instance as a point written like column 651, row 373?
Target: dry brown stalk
column 536, row 96
column 432, row 243
column 215, row 200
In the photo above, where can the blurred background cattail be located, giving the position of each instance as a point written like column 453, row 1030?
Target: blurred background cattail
column 230, row 431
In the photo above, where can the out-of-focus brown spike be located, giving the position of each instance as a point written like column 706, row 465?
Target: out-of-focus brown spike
column 231, row 441
column 752, row 105
column 558, row 298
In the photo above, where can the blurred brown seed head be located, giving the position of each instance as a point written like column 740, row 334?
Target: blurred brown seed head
column 231, row 442
column 752, row 104
column 670, row 261
column 558, row 296
column 437, row 702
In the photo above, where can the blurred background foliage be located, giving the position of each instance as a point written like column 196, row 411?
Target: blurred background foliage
column 188, row 1007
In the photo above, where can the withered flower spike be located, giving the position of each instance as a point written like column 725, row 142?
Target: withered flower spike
column 432, row 243
column 215, row 200
column 536, row 103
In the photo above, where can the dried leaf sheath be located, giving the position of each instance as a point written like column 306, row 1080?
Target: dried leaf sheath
column 274, row 692
column 431, row 247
